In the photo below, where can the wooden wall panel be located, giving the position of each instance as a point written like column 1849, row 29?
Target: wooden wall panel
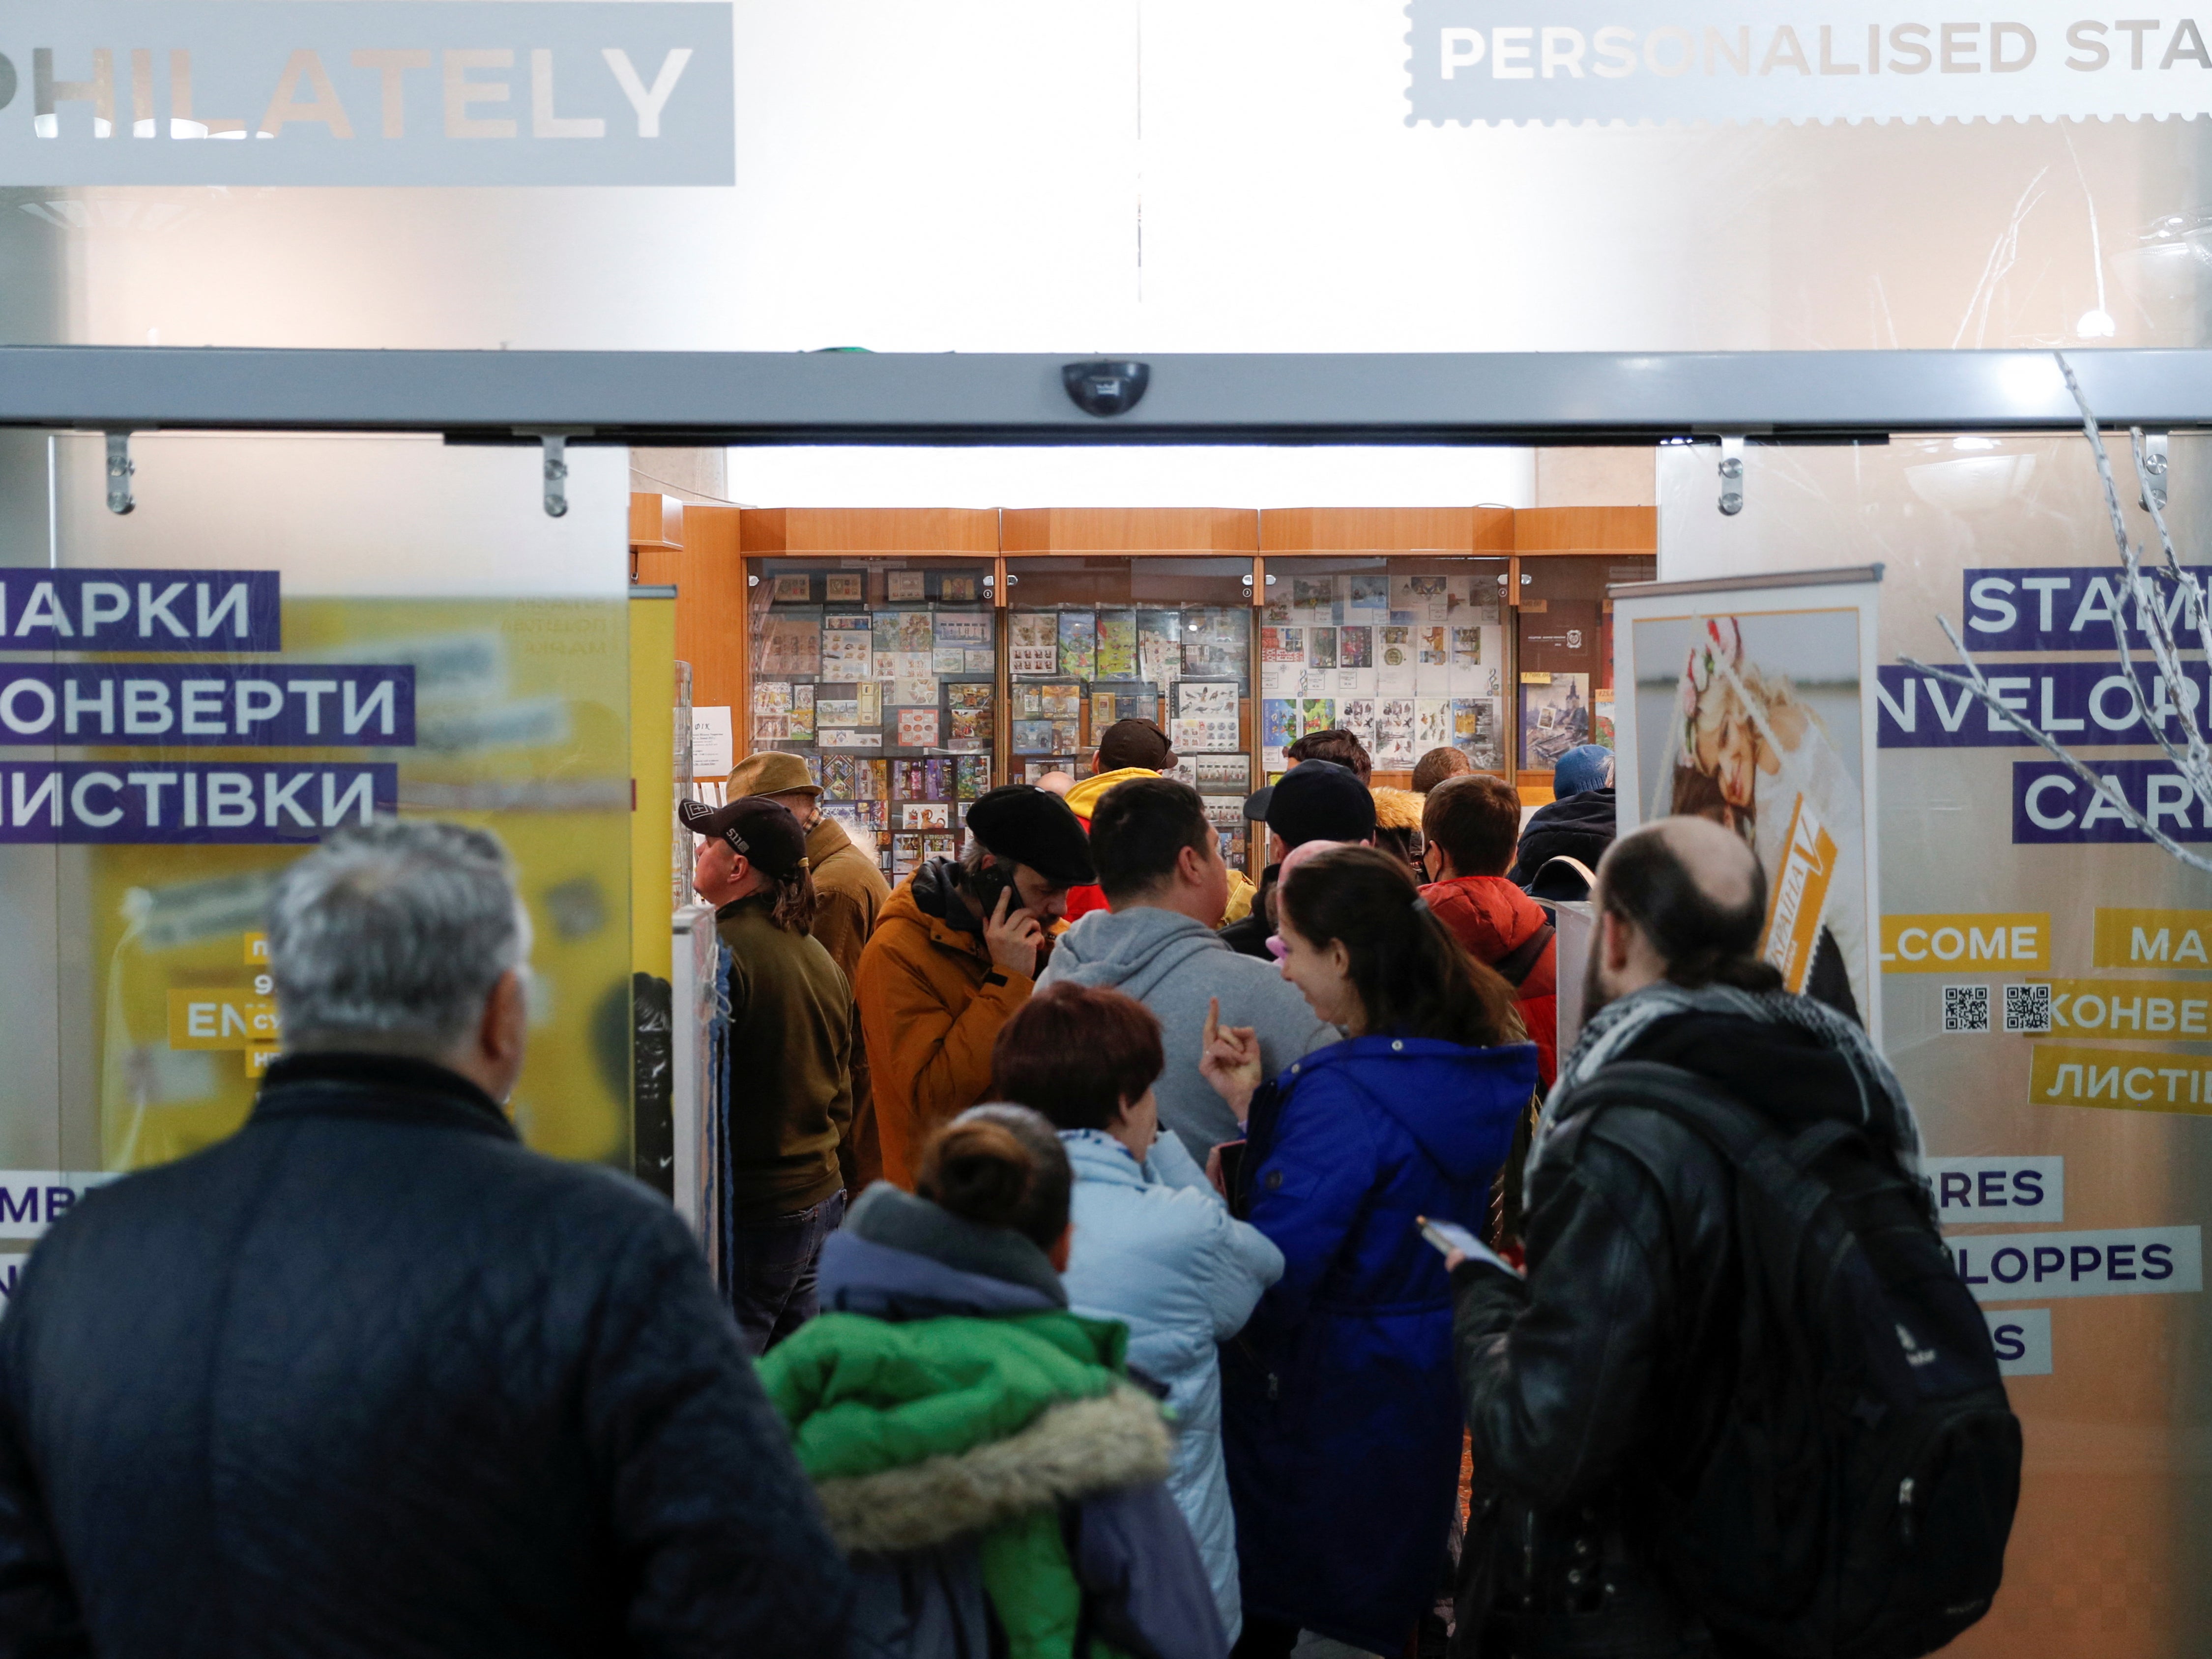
column 1385, row 529
column 655, row 520
column 1129, row 530
column 1586, row 529
column 890, row 530
column 709, row 574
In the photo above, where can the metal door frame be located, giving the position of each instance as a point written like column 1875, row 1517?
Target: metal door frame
column 915, row 398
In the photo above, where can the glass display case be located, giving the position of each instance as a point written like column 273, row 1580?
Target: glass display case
column 883, row 672
column 1409, row 653
column 1564, row 653
column 1095, row 639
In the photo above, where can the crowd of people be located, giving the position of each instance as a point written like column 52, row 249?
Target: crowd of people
column 1164, row 1283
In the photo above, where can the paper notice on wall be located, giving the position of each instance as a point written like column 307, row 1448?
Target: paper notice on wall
column 713, row 742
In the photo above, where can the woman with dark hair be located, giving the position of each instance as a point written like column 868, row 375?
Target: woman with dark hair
column 979, row 1450
column 1339, row 1419
column 790, row 1053
column 1155, row 1247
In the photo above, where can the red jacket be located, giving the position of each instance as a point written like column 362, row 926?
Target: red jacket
column 1493, row 918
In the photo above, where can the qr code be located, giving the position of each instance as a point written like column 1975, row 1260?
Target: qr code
column 2027, row 1008
column 1966, row 1008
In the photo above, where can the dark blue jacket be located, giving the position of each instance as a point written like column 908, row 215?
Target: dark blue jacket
column 1340, row 1416
column 370, row 1378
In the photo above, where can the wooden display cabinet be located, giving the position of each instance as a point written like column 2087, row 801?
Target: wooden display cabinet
column 1136, row 612
column 1566, row 559
column 1397, row 622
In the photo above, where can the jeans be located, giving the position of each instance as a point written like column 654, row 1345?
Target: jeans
column 771, row 1267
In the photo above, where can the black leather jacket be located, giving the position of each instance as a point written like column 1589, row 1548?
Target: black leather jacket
column 369, row 1378
column 1605, row 1372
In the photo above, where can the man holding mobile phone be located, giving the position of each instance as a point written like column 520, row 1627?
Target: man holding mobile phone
column 956, row 950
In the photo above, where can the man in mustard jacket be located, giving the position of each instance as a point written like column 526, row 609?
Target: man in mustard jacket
column 957, row 948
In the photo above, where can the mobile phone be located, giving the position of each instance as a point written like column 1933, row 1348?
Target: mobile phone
column 1232, row 1173
column 986, row 885
column 1449, row 1236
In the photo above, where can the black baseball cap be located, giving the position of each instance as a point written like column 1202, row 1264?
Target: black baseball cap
column 1135, row 743
column 1034, row 826
column 1317, row 800
column 754, row 827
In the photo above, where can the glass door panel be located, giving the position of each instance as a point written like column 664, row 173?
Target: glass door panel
column 2042, row 964
column 289, row 636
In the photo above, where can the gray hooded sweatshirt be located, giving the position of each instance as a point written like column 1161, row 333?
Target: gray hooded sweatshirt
column 1173, row 965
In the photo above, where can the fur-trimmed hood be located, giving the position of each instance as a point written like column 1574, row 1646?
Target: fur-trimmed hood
column 952, row 1391
column 1072, row 1451
column 999, row 1431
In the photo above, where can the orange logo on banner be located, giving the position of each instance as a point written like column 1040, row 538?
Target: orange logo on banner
column 1800, row 893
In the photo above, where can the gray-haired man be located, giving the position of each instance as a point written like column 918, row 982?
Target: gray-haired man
column 370, row 1378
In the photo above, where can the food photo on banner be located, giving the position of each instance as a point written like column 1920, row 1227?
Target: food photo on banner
column 1751, row 706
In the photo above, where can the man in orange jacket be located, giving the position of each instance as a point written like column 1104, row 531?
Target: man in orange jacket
column 1471, row 824
column 956, row 950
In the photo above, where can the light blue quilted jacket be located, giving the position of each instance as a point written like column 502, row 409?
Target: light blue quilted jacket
column 1156, row 1248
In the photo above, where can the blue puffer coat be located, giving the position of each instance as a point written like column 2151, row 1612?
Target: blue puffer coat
column 1155, row 1248
column 1340, row 1420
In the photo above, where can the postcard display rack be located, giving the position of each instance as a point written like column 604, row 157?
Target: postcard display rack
column 883, row 675
column 1093, row 639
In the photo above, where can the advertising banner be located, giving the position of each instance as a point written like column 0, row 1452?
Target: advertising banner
column 1752, row 703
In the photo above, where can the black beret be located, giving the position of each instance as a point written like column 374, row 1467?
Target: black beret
column 1035, row 827
column 1317, row 801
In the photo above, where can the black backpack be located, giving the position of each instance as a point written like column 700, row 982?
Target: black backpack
column 1858, row 1495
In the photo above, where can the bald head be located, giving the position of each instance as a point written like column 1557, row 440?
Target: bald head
column 1684, row 900
column 1719, row 862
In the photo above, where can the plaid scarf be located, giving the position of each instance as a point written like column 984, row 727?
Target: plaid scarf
column 1614, row 1029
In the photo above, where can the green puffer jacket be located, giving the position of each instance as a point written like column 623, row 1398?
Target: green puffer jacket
column 916, row 1432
